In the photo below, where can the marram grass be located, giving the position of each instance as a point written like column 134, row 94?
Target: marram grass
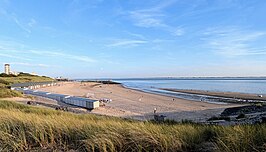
column 26, row 128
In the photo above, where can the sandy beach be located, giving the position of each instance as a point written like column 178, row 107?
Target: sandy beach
column 129, row 103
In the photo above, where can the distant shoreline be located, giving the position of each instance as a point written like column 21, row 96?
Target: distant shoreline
column 101, row 81
column 176, row 78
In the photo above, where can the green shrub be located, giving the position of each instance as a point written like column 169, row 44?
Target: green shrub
column 25, row 74
column 3, row 82
column 7, row 93
column 7, row 75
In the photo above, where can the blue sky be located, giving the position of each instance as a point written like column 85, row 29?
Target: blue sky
column 134, row 38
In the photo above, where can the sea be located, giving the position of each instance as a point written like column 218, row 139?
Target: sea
column 154, row 85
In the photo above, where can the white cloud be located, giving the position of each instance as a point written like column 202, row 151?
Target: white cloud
column 127, row 43
column 21, row 25
column 11, row 49
column 62, row 55
column 80, row 58
column 144, row 18
column 135, row 35
column 13, row 57
column 154, row 17
column 20, row 22
column 231, row 41
column 31, row 64
column 178, row 32
column 32, row 22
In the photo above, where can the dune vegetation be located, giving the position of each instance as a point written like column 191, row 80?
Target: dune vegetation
column 7, row 80
column 24, row 128
column 21, row 78
column 7, row 93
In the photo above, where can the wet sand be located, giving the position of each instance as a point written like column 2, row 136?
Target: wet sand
column 234, row 95
column 136, row 104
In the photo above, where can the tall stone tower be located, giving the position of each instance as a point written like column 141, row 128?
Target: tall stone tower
column 7, row 68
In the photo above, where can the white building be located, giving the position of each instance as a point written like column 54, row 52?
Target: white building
column 7, row 68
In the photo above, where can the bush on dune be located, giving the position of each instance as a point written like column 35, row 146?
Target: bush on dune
column 7, row 75
column 25, row 127
column 4, row 82
column 7, row 93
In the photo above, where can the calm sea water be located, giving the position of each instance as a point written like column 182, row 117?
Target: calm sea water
column 254, row 86
column 223, row 85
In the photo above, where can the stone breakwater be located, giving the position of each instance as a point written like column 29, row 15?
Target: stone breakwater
column 250, row 114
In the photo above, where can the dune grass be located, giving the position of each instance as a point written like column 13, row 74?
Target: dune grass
column 24, row 128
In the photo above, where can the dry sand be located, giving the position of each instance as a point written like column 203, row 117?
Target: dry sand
column 135, row 104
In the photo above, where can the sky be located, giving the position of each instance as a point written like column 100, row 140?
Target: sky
column 134, row 38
